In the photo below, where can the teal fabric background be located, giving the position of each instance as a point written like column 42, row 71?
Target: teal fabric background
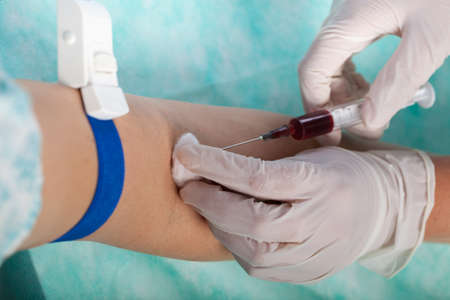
column 223, row 52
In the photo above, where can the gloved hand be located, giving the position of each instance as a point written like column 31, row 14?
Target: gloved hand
column 352, row 25
column 327, row 207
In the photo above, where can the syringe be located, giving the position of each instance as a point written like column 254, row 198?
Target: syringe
column 324, row 121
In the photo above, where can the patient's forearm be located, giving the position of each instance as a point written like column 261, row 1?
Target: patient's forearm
column 150, row 216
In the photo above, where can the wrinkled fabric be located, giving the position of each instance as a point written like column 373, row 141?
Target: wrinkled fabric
column 333, row 206
column 20, row 167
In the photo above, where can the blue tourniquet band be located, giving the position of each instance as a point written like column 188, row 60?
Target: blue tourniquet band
column 111, row 174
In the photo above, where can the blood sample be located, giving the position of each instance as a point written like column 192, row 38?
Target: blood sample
column 311, row 125
column 304, row 127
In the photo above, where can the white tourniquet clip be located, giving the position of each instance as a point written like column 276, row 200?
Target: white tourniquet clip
column 86, row 59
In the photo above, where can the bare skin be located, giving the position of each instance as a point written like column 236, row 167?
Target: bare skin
column 150, row 216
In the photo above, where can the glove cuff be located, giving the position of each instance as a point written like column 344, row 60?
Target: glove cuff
column 416, row 203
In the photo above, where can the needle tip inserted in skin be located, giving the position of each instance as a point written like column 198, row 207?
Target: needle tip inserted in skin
column 244, row 142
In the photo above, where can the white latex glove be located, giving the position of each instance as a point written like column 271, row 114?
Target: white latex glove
column 329, row 208
column 352, row 25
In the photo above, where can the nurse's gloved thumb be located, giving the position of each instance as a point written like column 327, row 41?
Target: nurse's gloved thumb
column 373, row 119
column 331, row 139
column 373, row 125
column 411, row 65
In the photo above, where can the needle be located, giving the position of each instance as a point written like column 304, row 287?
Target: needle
column 244, row 142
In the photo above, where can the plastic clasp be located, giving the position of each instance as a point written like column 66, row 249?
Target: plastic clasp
column 86, row 59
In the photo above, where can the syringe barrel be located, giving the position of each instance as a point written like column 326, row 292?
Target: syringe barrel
column 349, row 114
column 346, row 115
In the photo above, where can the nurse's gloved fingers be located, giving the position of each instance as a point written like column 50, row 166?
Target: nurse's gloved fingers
column 350, row 27
column 361, row 130
column 345, row 87
column 348, row 87
column 248, row 217
column 276, row 180
column 271, row 254
column 330, row 139
column 407, row 70
column 361, row 89
column 253, row 252
column 304, row 273
column 343, row 34
column 362, row 85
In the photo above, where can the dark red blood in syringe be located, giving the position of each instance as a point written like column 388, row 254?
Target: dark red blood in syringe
column 311, row 125
column 304, row 127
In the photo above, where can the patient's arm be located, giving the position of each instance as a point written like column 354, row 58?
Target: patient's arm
column 150, row 216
